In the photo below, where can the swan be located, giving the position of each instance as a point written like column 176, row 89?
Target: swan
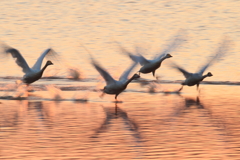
column 31, row 74
column 192, row 78
column 151, row 65
column 195, row 78
column 115, row 86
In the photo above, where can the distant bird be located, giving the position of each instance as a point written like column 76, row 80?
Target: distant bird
column 31, row 74
column 113, row 86
column 195, row 78
column 152, row 65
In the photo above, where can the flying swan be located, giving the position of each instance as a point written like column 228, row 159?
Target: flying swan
column 115, row 86
column 31, row 74
column 195, row 78
column 152, row 65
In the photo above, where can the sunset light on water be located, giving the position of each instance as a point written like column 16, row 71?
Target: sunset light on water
column 63, row 116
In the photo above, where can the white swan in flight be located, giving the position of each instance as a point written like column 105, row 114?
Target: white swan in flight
column 152, row 65
column 113, row 86
column 31, row 74
column 195, row 78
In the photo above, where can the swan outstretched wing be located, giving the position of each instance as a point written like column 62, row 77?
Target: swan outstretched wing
column 19, row 59
column 208, row 64
column 107, row 77
column 184, row 72
column 136, row 58
column 174, row 43
column 38, row 64
column 140, row 58
column 125, row 74
column 220, row 52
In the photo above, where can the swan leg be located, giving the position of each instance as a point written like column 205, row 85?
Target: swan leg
column 116, row 100
column 180, row 89
column 101, row 96
column 198, row 86
column 27, row 87
column 116, row 108
column 116, row 97
column 27, row 90
column 153, row 72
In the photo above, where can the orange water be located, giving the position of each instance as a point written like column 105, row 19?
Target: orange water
column 53, row 125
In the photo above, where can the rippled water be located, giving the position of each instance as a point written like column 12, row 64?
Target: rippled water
column 77, row 124
column 62, row 118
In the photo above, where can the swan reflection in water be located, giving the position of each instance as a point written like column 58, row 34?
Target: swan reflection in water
column 191, row 104
column 8, row 117
column 112, row 114
column 44, row 114
column 16, row 116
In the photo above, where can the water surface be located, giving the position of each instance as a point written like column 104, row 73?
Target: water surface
column 63, row 118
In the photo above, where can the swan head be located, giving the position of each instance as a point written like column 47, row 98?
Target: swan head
column 209, row 74
column 168, row 55
column 49, row 63
column 135, row 76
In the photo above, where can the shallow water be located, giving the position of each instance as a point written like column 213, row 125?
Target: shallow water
column 192, row 124
column 62, row 118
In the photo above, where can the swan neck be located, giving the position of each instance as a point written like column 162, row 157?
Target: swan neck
column 163, row 58
column 204, row 76
column 160, row 60
column 45, row 66
column 128, row 81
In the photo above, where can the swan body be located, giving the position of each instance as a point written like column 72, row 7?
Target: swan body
column 148, row 66
column 118, row 86
column 31, row 74
column 195, row 79
column 153, row 65
column 115, row 86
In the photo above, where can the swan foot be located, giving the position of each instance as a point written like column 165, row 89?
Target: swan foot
column 101, row 96
column 157, row 79
column 29, row 88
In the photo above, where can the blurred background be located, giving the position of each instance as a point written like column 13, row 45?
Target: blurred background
column 54, row 123
column 33, row 26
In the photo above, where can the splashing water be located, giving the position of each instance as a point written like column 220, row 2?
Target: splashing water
column 54, row 92
column 53, row 72
column 100, row 84
column 22, row 91
column 74, row 73
column 152, row 87
column 81, row 98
